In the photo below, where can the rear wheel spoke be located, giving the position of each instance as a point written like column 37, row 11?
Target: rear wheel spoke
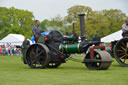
column 125, row 59
column 122, row 56
column 120, row 50
column 37, row 50
column 40, row 53
column 123, row 48
column 123, row 45
column 34, row 53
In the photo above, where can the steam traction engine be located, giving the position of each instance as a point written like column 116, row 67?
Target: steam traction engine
column 52, row 49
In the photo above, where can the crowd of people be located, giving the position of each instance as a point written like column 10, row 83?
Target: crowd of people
column 10, row 50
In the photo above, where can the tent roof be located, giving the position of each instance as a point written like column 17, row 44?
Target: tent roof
column 13, row 38
column 114, row 36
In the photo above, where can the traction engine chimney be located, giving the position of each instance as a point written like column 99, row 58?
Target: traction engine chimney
column 82, row 26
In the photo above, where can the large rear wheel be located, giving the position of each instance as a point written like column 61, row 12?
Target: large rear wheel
column 121, row 52
column 37, row 56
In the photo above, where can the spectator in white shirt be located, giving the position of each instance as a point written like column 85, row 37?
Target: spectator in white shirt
column 125, row 28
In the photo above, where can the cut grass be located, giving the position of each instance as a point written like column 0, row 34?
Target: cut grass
column 14, row 72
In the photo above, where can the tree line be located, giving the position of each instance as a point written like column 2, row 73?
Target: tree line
column 100, row 23
column 16, row 21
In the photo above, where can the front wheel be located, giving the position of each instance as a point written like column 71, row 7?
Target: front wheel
column 102, row 61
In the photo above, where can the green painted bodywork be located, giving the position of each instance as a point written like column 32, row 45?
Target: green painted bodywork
column 69, row 48
column 70, row 38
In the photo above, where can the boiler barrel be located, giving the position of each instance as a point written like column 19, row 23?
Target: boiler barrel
column 70, row 38
column 70, row 48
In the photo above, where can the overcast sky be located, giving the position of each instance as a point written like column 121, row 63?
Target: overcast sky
column 46, row 9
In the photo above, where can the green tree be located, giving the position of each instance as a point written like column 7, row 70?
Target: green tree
column 115, row 17
column 57, row 23
column 74, row 11
column 97, row 24
column 100, row 23
column 16, row 21
column 44, row 24
column 72, row 16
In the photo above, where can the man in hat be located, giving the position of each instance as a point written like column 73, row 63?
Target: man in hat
column 37, row 30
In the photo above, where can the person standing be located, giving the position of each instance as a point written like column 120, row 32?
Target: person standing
column 37, row 30
column 25, row 45
column 4, row 49
column 125, row 28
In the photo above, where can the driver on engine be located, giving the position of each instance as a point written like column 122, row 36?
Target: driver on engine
column 125, row 28
column 37, row 30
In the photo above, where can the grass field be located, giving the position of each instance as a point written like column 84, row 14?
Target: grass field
column 14, row 72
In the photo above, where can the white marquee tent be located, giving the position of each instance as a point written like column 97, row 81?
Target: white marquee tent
column 114, row 36
column 13, row 39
